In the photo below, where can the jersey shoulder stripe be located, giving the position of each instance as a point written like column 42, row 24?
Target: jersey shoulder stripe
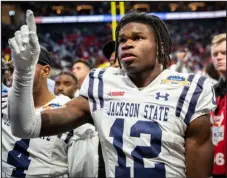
column 183, row 96
column 90, row 88
column 96, row 84
column 195, row 96
column 100, row 87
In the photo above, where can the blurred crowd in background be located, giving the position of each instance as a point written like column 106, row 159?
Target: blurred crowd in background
column 60, row 8
column 84, row 41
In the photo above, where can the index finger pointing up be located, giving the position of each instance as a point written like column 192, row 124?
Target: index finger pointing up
column 30, row 20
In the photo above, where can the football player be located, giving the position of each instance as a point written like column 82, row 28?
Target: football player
column 147, row 127
column 51, row 156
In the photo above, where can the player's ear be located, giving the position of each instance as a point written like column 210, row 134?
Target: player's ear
column 45, row 71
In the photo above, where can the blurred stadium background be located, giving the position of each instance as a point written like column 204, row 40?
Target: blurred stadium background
column 78, row 30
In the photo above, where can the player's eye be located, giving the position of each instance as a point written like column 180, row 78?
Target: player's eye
column 215, row 54
column 67, row 83
column 57, row 83
column 136, row 38
column 121, row 40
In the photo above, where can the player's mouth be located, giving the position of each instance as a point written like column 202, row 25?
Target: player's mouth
column 220, row 64
column 60, row 93
column 127, row 57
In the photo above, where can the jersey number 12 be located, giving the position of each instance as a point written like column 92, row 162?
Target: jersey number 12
column 140, row 152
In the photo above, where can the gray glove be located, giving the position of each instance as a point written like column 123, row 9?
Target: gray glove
column 24, row 45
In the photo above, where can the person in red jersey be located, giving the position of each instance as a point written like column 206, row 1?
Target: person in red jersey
column 218, row 117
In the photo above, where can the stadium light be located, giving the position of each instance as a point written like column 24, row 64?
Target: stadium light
column 117, row 17
column 11, row 13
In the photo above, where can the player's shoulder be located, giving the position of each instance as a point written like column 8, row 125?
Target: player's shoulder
column 187, row 79
column 57, row 102
column 105, row 72
column 200, row 82
column 62, row 99
column 174, row 75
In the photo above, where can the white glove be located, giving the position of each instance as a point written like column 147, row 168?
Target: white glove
column 24, row 46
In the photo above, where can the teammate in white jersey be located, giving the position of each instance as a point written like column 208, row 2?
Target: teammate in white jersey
column 66, row 84
column 152, row 122
column 51, row 156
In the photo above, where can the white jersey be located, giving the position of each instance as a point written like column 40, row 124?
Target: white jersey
column 5, row 90
column 50, row 84
column 142, row 130
column 63, row 155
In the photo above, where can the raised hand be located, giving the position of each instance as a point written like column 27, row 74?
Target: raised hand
column 25, row 48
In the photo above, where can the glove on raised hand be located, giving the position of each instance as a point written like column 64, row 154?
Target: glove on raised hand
column 25, row 48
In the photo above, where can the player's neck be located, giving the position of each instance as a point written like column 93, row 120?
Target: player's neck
column 143, row 79
column 42, row 96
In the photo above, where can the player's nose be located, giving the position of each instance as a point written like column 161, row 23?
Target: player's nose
column 127, row 45
column 219, row 56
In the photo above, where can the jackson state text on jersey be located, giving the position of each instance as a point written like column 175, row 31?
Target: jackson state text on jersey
column 142, row 130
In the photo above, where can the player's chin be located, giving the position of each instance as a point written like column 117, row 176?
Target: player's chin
column 131, row 69
column 221, row 69
column 60, row 93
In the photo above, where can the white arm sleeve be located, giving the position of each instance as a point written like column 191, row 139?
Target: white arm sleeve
column 25, row 122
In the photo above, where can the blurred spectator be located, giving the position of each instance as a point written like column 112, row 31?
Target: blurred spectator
column 8, row 74
column 4, row 87
column 80, row 69
column 218, row 117
column 104, row 65
column 183, row 61
column 109, row 52
column 211, row 73
column 66, row 84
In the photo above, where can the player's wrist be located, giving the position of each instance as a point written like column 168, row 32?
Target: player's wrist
column 24, row 70
column 24, row 66
column 23, row 75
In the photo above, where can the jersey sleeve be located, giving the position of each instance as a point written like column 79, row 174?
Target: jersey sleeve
column 93, row 89
column 202, row 101
column 85, row 86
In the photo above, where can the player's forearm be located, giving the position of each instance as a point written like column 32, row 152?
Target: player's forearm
column 199, row 160
column 25, row 123
column 60, row 120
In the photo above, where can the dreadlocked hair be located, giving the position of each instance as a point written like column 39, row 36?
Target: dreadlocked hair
column 157, row 26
